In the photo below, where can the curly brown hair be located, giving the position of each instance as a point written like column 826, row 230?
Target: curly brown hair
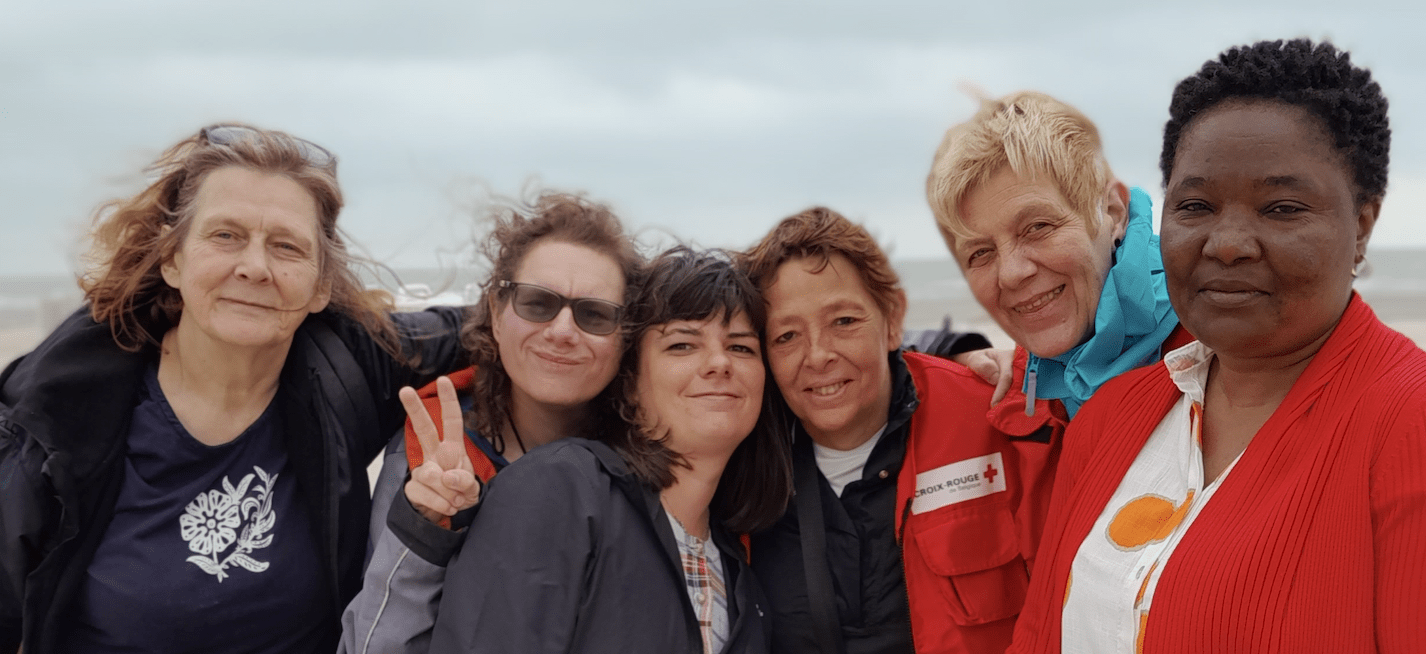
column 134, row 237
column 518, row 228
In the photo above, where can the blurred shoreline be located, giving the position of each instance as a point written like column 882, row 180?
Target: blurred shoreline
column 15, row 341
column 1403, row 311
column 30, row 306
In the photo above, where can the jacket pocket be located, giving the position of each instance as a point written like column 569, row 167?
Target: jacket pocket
column 974, row 561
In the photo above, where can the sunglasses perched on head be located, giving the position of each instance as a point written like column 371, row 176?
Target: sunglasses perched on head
column 540, row 304
column 228, row 134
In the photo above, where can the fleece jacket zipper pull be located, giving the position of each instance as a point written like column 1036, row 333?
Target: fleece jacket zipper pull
column 1032, row 368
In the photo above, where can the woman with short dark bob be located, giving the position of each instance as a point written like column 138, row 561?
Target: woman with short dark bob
column 1264, row 488
column 629, row 543
column 183, row 459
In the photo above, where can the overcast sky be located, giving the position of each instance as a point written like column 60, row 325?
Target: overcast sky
column 709, row 122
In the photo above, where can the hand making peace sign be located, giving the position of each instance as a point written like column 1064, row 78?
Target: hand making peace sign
column 445, row 482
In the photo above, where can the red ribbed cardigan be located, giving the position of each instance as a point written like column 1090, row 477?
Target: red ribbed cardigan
column 1315, row 542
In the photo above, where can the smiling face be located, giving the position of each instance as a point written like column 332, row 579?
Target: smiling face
column 1261, row 230
column 701, row 382
column 555, row 363
column 1032, row 262
column 827, row 343
column 248, row 268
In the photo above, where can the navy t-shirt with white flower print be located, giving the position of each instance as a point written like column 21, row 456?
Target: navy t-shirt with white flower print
column 210, row 548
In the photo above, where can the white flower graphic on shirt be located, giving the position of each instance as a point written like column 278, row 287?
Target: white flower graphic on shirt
column 210, row 524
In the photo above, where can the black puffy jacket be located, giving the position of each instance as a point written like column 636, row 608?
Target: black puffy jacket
column 570, row 552
column 64, row 416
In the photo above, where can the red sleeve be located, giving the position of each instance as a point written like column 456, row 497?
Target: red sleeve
column 1038, row 627
column 1398, row 504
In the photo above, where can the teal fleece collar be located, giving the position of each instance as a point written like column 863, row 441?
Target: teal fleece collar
column 1132, row 322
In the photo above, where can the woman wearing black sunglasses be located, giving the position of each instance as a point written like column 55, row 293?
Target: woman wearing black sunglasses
column 545, row 341
column 181, row 461
column 626, row 543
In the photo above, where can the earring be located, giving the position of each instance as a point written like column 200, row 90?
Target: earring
column 1359, row 267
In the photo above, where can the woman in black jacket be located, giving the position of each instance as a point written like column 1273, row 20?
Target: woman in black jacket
column 182, row 461
column 630, row 543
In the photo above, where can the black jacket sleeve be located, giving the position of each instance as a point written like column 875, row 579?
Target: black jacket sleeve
column 426, row 539
column 430, row 339
column 28, row 512
column 943, row 342
column 518, row 581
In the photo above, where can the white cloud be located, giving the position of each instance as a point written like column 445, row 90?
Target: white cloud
column 711, row 121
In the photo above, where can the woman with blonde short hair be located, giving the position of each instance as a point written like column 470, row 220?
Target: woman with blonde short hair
column 1059, row 252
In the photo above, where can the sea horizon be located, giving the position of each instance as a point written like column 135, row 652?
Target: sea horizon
column 32, row 305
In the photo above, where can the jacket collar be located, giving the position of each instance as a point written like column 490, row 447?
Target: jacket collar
column 1011, row 415
column 646, row 499
column 903, row 395
column 1133, row 319
column 78, row 365
column 639, row 494
column 891, row 449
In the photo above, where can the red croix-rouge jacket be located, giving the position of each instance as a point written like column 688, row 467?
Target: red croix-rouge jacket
column 972, row 501
column 971, row 505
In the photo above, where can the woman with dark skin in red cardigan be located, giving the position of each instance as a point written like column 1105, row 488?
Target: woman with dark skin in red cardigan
column 1264, row 489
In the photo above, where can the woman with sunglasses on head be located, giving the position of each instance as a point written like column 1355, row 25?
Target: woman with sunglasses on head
column 182, row 458
column 545, row 343
column 626, row 543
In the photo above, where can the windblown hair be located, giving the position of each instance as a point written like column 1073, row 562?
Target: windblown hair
column 1035, row 135
column 124, row 284
column 818, row 233
column 1315, row 76
column 518, row 228
column 684, row 284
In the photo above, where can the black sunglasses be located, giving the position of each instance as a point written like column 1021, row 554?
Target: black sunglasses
column 540, row 304
column 228, row 134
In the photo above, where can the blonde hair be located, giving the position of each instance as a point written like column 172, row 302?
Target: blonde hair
column 1032, row 133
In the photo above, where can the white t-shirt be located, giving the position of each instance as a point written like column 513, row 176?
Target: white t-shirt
column 842, row 467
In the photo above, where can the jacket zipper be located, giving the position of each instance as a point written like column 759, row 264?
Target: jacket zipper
column 331, row 504
column 901, row 537
column 1032, row 368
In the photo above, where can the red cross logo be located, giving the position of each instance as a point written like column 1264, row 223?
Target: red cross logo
column 990, row 472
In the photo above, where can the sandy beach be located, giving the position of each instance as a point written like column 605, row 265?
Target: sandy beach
column 17, row 341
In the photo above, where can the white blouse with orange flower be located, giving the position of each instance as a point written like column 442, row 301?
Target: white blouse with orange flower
column 1116, row 570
